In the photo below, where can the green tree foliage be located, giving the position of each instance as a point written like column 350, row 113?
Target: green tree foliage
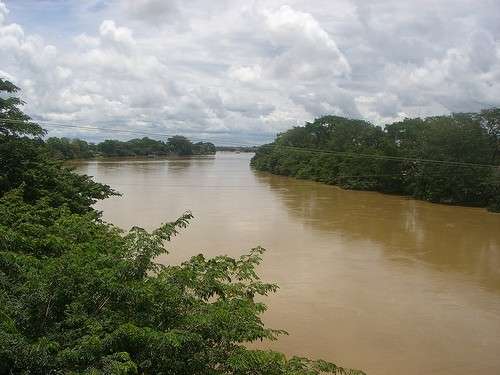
column 64, row 148
column 399, row 159
column 26, row 163
column 134, row 147
column 237, row 148
column 12, row 119
column 490, row 120
column 80, row 296
column 181, row 145
column 203, row 148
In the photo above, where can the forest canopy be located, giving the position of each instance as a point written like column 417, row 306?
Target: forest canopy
column 451, row 159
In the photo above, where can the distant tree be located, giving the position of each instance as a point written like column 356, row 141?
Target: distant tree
column 237, row 148
column 64, row 148
column 180, row 145
column 147, row 146
column 203, row 148
column 112, row 147
column 83, row 149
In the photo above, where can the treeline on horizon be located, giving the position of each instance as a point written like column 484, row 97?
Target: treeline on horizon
column 237, row 148
column 66, row 148
column 450, row 159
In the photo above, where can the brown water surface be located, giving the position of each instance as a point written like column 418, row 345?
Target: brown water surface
column 383, row 283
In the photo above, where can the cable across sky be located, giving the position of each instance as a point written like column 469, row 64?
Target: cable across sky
column 294, row 148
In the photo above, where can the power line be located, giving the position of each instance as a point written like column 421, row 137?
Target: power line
column 302, row 149
column 115, row 130
column 111, row 130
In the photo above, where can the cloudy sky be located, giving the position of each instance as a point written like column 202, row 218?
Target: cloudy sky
column 239, row 71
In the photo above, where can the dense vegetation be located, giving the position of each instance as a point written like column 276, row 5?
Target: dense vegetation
column 237, row 148
column 65, row 148
column 80, row 296
column 448, row 159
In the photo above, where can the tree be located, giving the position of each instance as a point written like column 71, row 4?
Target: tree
column 12, row 120
column 204, row 148
column 26, row 163
column 180, row 145
column 490, row 120
column 112, row 147
column 64, row 148
column 442, row 159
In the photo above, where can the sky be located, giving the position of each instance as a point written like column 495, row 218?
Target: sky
column 237, row 72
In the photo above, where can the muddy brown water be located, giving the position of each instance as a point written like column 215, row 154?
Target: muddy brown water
column 382, row 283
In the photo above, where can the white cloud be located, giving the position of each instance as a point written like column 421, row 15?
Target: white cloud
column 114, row 35
column 85, row 41
column 246, row 73
column 234, row 68
column 464, row 78
column 306, row 51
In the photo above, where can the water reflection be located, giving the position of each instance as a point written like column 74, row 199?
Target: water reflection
column 449, row 238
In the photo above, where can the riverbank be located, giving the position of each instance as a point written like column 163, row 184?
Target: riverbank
column 448, row 159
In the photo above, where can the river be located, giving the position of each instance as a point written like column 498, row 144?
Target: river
column 382, row 283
